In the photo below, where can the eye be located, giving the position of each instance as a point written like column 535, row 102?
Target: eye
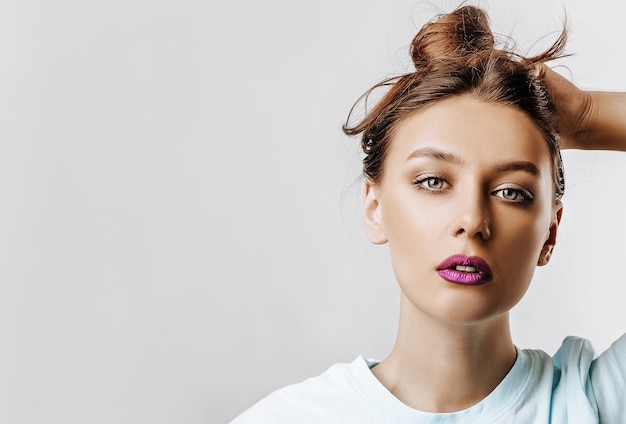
column 514, row 195
column 430, row 183
column 434, row 183
column 509, row 194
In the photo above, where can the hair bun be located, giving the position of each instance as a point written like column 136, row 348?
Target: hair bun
column 458, row 34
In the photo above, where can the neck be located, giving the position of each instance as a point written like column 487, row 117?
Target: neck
column 441, row 367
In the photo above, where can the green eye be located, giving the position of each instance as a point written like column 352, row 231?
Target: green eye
column 510, row 194
column 514, row 195
column 431, row 184
column 434, row 183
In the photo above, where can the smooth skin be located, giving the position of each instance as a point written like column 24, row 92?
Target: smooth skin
column 454, row 344
column 462, row 176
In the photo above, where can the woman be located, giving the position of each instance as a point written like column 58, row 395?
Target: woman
column 464, row 180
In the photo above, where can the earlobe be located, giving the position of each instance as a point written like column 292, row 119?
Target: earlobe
column 548, row 246
column 372, row 222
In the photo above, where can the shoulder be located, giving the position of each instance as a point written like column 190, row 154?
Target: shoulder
column 333, row 396
column 588, row 386
column 576, row 356
column 608, row 382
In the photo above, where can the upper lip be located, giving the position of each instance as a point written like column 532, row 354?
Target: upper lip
column 474, row 261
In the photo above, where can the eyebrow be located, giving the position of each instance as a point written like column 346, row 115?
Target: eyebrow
column 429, row 152
column 529, row 167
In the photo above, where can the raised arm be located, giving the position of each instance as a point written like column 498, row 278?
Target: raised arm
column 589, row 120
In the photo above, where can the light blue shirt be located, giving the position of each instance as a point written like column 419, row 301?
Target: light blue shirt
column 571, row 387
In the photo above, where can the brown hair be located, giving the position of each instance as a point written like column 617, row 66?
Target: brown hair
column 453, row 55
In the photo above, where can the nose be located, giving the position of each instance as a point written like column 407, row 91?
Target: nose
column 473, row 217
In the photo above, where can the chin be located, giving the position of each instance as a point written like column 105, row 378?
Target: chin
column 464, row 311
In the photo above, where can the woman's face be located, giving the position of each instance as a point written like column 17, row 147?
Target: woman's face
column 467, row 206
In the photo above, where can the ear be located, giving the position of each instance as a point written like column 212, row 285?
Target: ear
column 548, row 246
column 372, row 221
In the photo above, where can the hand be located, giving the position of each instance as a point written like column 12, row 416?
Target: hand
column 590, row 120
column 574, row 107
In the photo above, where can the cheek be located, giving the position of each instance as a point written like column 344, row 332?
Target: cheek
column 413, row 229
column 525, row 242
column 411, row 223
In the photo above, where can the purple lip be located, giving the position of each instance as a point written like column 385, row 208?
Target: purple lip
column 478, row 271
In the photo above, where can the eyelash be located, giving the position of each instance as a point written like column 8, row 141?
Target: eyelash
column 526, row 196
column 420, row 183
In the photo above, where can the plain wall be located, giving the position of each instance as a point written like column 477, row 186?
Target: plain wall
column 180, row 228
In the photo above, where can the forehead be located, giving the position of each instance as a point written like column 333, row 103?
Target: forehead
column 479, row 131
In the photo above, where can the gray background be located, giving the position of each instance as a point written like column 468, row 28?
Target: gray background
column 180, row 224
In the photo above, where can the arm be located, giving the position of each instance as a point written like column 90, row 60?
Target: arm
column 590, row 120
column 607, row 128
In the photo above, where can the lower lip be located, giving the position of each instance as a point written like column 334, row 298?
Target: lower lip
column 460, row 277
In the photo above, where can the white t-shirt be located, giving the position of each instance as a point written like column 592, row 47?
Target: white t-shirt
column 572, row 387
